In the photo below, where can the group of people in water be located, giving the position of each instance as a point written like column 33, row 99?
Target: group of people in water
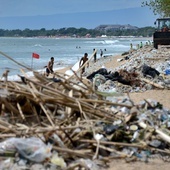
column 84, row 59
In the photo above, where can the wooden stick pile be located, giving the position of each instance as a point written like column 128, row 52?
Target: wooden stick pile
column 68, row 113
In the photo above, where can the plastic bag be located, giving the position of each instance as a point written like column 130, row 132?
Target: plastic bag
column 7, row 148
column 31, row 148
column 89, row 164
column 59, row 161
column 167, row 71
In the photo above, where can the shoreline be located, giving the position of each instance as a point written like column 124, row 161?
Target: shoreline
column 113, row 63
column 68, row 58
column 104, row 61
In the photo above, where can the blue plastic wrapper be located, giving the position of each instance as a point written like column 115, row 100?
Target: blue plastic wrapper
column 167, row 71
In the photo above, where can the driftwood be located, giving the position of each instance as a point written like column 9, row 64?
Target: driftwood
column 52, row 112
column 152, row 83
column 162, row 134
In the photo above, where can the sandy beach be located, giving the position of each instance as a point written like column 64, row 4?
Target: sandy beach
column 160, row 95
column 111, row 63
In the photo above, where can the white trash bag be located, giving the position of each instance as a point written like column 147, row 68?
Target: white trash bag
column 31, row 148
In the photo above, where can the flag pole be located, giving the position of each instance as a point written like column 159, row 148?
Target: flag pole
column 34, row 55
column 32, row 63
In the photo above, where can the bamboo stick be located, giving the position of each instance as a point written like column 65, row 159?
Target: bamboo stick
column 41, row 104
column 20, row 111
column 115, row 143
column 162, row 135
column 81, row 153
column 152, row 83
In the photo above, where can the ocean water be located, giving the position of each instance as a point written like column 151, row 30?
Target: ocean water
column 66, row 51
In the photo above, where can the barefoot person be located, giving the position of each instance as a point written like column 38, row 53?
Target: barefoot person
column 49, row 68
column 95, row 55
column 101, row 53
column 83, row 61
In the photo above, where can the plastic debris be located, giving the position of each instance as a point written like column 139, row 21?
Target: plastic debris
column 31, row 148
column 59, row 161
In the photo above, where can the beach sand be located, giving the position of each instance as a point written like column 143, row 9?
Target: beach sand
column 153, row 164
column 161, row 96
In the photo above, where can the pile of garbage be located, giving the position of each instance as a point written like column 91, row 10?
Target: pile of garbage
column 72, row 124
column 141, row 70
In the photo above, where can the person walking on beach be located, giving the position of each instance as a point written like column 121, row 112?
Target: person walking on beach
column 49, row 68
column 101, row 53
column 95, row 55
column 141, row 45
column 131, row 46
column 83, row 60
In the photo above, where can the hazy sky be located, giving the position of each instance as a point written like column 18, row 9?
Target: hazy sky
column 47, row 7
column 49, row 14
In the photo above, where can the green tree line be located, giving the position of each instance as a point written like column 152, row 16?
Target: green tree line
column 75, row 32
column 160, row 7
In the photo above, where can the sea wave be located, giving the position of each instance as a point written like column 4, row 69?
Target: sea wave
column 93, row 42
column 30, row 74
column 110, row 41
column 37, row 45
column 63, row 50
column 103, row 42
column 120, row 46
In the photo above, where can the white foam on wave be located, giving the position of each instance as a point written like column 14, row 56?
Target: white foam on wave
column 38, row 45
column 29, row 74
column 17, row 78
column 93, row 42
column 103, row 42
column 120, row 46
column 110, row 41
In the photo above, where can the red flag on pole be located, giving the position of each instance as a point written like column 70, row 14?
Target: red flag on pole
column 35, row 55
